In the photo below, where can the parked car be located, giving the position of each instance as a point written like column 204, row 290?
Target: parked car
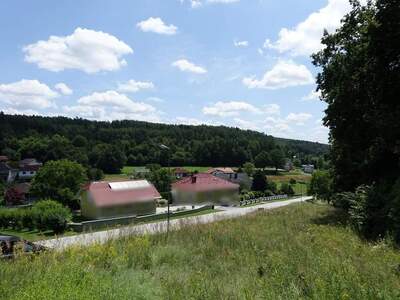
column 9, row 244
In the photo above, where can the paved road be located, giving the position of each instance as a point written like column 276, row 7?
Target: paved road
column 157, row 227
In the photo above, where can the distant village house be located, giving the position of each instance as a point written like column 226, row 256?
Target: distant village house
column 205, row 188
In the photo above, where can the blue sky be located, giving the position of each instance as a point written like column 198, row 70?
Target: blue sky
column 233, row 62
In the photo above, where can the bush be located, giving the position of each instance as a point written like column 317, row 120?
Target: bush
column 51, row 215
column 287, row 189
column 272, row 186
column 292, row 181
column 95, row 174
column 162, row 202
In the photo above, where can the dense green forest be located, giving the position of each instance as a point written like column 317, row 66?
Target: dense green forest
column 109, row 145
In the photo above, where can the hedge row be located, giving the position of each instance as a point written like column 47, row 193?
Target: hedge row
column 44, row 215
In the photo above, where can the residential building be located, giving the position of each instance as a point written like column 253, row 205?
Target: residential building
column 28, row 168
column 229, row 174
column 7, row 173
column 3, row 158
column 205, row 188
column 114, row 199
column 307, row 168
column 181, row 172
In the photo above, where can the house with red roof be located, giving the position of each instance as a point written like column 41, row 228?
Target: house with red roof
column 235, row 177
column 115, row 199
column 205, row 188
column 181, row 172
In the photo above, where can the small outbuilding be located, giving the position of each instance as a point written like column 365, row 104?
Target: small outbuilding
column 205, row 188
column 115, row 199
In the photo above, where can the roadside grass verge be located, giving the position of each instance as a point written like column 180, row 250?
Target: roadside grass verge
column 303, row 251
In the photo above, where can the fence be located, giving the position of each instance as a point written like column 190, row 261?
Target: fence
column 126, row 220
column 262, row 199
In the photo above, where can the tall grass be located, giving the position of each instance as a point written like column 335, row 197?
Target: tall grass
column 301, row 251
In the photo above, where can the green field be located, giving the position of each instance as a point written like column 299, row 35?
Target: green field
column 299, row 252
column 128, row 170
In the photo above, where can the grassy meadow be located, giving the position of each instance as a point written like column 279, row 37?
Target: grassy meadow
column 301, row 251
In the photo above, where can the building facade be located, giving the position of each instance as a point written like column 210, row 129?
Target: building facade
column 115, row 199
column 203, row 189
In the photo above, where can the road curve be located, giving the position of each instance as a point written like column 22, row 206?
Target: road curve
column 87, row 239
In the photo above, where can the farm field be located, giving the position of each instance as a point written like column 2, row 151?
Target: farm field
column 300, row 251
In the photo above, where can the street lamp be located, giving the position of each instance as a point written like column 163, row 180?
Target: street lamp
column 164, row 147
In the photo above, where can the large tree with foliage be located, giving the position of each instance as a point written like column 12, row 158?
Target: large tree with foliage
column 249, row 168
column 321, row 185
column 360, row 82
column 259, row 181
column 277, row 158
column 59, row 180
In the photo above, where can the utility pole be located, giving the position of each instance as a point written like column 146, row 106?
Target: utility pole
column 164, row 147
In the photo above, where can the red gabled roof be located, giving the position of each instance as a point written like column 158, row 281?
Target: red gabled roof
column 203, row 182
column 103, row 195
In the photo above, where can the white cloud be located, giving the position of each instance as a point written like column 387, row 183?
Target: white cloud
column 133, row 86
column 111, row 105
column 187, row 66
column 27, row 94
column 313, row 95
column 229, row 108
column 305, row 37
column 188, row 121
column 245, row 124
column 299, row 118
column 63, row 88
column 283, row 74
column 87, row 50
column 157, row 25
column 241, row 43
column 271, row 109
column 199, row 3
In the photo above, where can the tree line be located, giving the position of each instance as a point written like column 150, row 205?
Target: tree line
column 109, row 146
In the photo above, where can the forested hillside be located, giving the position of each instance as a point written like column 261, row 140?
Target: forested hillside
column 136, row 143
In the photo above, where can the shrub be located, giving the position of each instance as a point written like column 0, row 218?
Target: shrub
column 51, row 215
column 287, row 189
column 271, row 185
column 292, row 181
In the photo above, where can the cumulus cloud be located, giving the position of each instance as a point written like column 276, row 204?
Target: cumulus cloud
column 305, row 37
column 283, row 74
column 87, row 50
column 157, row 25
column 242, row 44
column 271, row 109
column 27, row 94
column 313, row 95
column 133, row 86
column 111, row 105
column 63, row 88
column 187, row 66
column 299, row 118
column 199, row 3
column 229, row 108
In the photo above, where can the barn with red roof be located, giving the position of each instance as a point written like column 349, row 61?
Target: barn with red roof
column 114, row 199
column 205, row 188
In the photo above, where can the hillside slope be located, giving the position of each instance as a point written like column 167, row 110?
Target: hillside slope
column 301, row 251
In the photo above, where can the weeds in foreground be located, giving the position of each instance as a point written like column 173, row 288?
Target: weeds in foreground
column 301, row 251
